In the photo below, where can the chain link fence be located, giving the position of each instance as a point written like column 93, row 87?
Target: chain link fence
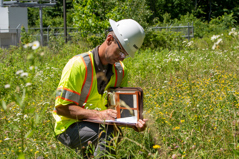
column 187, row 31
column 13, row 36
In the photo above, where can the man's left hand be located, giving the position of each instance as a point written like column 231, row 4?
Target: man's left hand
column 141, row 125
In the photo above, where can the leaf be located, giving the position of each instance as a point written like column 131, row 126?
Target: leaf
column 21, row 156
column 4, row 106
column 29, row 134
column 37, row 119
column 236, row 152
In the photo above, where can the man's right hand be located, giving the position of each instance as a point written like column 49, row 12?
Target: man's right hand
column 108, row 114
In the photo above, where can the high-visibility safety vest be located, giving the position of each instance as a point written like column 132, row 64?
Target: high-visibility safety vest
column 78, row 85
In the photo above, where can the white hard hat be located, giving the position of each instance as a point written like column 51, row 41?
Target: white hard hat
column 130, row 34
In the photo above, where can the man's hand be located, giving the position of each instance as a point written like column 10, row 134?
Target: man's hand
column 141, row 125
column 108, row 114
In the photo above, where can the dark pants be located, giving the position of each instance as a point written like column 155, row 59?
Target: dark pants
column 80, row 134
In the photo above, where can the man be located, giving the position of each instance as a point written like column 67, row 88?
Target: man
column 81, row 91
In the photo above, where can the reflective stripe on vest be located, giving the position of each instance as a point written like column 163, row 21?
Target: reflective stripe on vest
column 67, row 94
column 88, row 81
column 119, row 73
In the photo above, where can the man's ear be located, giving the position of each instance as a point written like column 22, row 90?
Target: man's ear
column 109, row 39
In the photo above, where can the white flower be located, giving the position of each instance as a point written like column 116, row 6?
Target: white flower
column 25, row 116
column 25, row 74
column 7, row 139
column 189, row 43
column 19, row 72
column 18, row 114
column 233, row 32
column 28, row 84
column 7, row 86
column 218, row 41
column 27, row 45
column 184, row 42
column 31, row 67
column 214, row 46
column 35, row 45
column 176, row 59
column 214, row 37
column 42, row 53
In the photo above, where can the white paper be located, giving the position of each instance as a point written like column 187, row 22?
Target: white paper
column 132, row 119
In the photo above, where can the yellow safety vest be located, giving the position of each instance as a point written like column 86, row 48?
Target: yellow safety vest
column 78, row 85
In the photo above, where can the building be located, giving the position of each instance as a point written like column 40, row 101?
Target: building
column 11, row 21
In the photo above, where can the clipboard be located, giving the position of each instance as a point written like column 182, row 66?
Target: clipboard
column 128, row 101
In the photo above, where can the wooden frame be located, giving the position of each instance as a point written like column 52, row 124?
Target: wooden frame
column 128, row 101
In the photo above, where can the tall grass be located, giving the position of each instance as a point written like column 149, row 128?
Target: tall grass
column 190, row 99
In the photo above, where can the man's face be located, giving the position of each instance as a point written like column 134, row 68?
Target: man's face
column 115, row 52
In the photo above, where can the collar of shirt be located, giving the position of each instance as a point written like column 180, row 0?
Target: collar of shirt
column 98, row 65
column 99, row 69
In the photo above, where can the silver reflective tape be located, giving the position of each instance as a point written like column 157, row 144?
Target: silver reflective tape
column 58, row 92
column 86, row 88
column 71, row 96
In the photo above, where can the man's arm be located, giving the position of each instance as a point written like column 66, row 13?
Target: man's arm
column 77, row 112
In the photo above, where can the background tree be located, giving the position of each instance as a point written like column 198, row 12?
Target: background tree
column 91, row 17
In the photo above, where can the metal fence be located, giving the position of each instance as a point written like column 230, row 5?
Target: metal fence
column 12, row 36
column 52, row 33
column 187, row 31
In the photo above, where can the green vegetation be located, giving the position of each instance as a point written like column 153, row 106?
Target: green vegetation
column 190, row 88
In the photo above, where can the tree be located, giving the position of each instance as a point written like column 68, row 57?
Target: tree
column 91, row 17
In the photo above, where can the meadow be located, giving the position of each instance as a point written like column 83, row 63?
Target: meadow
column 190, row 98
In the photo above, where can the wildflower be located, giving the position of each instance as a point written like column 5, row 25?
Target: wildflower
column 35, row 45
column 176, row 59
column 174, row 156
column 7, row 139
column 189, row 43
column 25, row 116
column 182, row 121
column 214, row 37
column 42, row 53
column 216, row 44
column 7, row 86
column 176, row 128
column 156, row 147
column 27, row 45
column 0, row 141
column 233, row 32
column 31, row 67
column 24, row 74
column 28, row 84
column 19, row 72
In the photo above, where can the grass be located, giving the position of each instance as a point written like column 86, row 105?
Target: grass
column 190, row 96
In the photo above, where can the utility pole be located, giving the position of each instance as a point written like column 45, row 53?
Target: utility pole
column 41, row 26
column 65, row 25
